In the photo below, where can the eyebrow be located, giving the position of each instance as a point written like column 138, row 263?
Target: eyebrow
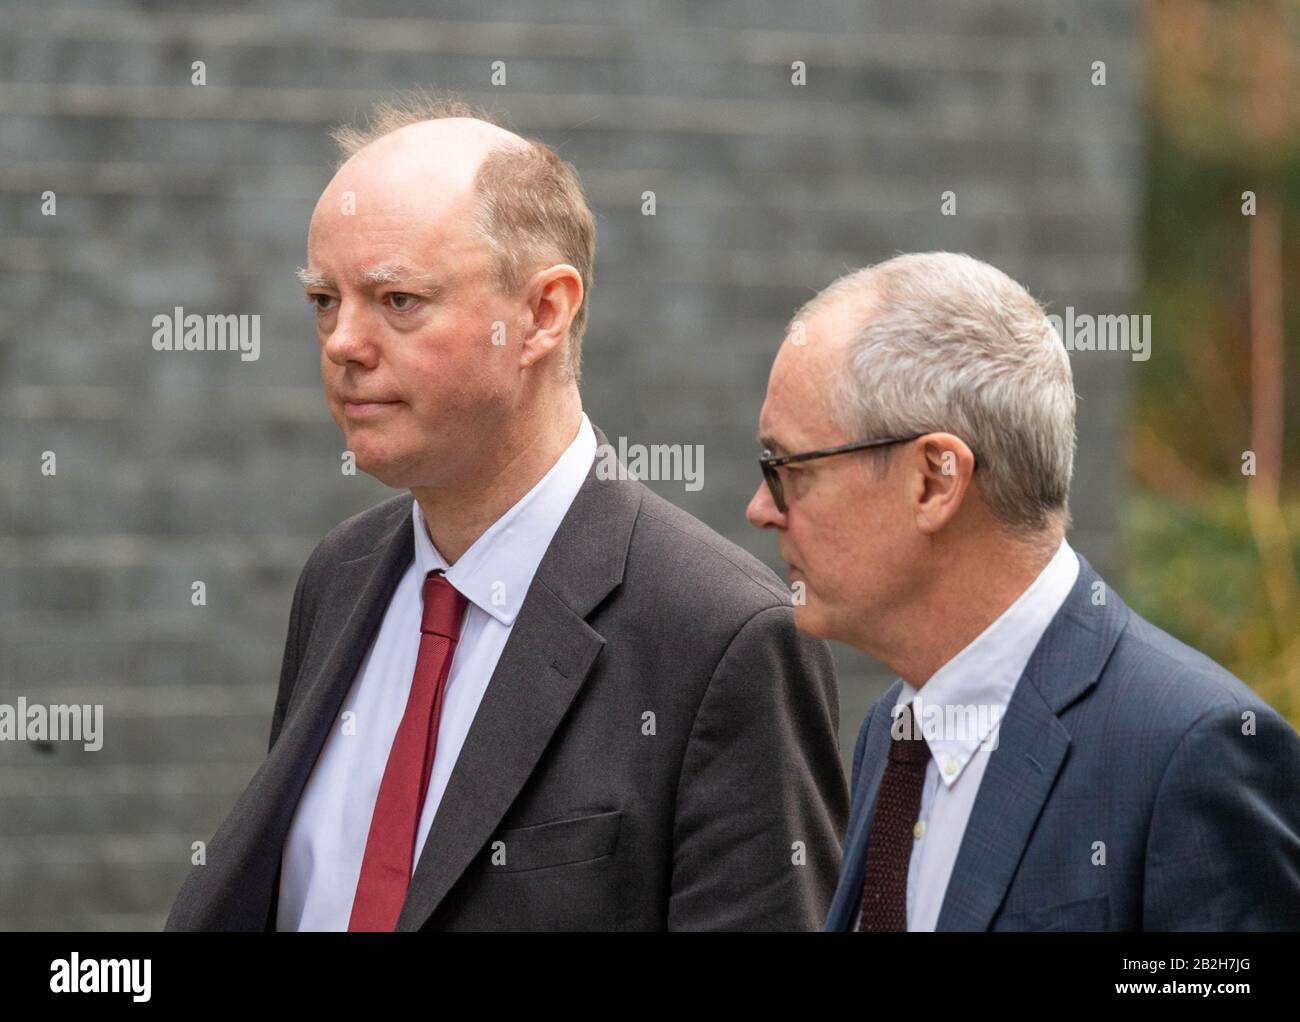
column 312, row 278
column 384, row 273
column 775, row 446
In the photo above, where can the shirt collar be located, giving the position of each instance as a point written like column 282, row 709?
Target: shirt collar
column 495, row 572
column 982, row 677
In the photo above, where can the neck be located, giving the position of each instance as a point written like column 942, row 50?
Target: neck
column 947, row 615
column 456, row 515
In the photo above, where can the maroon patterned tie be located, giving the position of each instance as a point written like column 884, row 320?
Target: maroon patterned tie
column 889, row 844
column 390, row 847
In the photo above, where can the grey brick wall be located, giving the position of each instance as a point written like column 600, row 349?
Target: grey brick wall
column 176, row 467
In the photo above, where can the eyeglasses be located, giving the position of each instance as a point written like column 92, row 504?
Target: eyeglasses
column 769, row 463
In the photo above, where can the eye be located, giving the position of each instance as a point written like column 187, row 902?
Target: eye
column 796, row 476
column 401, row 301
column 320, row 301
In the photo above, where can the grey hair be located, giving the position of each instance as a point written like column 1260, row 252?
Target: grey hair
column 947, row 343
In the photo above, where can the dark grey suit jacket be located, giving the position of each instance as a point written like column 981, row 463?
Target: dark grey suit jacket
column 1136, row 785
column 728, row 816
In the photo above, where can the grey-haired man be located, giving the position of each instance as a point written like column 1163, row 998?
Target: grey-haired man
column 1047, row 759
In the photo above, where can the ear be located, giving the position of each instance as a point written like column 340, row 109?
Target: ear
column 554, row 296
column 943, row 465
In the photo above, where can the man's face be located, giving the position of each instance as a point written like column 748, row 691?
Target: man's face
column 845, row 534
column 405, row 307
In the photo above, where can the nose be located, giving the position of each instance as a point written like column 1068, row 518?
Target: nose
column 349, row 341
column 762, row 511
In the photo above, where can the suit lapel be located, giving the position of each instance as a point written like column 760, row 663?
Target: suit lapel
column 260, row 822
column 1032, row 747
column 544, row 665
column 871, row 769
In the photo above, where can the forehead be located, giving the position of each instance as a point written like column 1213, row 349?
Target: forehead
column 396, row 198
column 798, row 409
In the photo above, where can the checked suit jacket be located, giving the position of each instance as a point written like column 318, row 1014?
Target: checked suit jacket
column 1136, row 785
column 657, row 747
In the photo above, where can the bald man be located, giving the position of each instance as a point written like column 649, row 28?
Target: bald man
column 521, row 695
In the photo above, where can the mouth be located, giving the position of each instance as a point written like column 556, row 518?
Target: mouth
column 362, row 409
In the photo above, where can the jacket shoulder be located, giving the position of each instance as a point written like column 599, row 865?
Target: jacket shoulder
column 1151, row 669
column 358, row 535
column 701, row 563
column 354, row 537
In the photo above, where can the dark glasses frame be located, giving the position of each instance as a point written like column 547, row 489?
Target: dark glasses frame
column 769, row 462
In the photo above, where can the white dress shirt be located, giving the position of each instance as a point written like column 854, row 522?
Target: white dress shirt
column 322, row 856
column 984, row 674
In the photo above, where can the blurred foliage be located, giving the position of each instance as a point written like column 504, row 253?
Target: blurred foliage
column 1223, row 105
column 1194, row 571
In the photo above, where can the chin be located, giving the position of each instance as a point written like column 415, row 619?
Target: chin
column 381, row 465
column 810, row 622
column 386, row 475
column 399, row 474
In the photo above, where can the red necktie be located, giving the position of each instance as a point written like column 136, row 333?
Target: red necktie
column 390, row 848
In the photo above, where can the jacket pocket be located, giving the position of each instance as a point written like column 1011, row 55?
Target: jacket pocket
column 556, row 843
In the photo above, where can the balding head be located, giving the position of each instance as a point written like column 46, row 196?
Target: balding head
column 446, row 306
column 531, row 209
column 444, row 154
